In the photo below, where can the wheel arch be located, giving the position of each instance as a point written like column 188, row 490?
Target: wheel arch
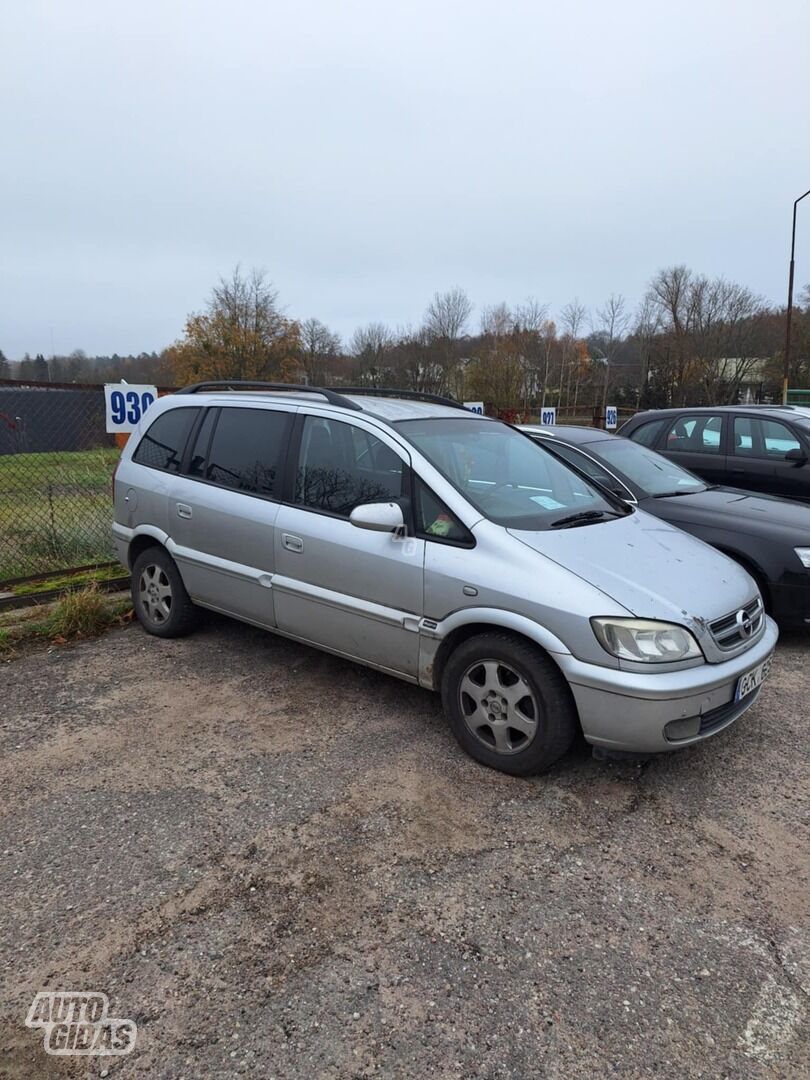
column 457, row 631
column 756, row 571
column 148, row 536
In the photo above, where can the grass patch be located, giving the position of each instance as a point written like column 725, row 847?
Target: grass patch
column 79, row 613
column 67, row 581
column 84, row 613
column 55, row 510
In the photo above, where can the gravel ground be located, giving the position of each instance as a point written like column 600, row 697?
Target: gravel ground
column 281, row 864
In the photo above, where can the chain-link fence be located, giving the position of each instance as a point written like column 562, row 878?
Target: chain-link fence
column 56, row 465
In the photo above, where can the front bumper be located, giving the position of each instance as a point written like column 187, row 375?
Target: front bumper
column 622, row 710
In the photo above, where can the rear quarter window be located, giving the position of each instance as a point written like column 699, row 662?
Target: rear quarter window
column 648, row 433
column 163, row 444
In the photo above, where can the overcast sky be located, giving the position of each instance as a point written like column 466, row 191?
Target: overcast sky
column 368, row 152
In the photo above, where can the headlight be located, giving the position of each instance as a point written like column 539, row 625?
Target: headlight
column 644, row 641
column 804, row 555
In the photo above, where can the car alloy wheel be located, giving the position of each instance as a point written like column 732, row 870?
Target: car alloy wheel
column 498, row 706
column 155, row 592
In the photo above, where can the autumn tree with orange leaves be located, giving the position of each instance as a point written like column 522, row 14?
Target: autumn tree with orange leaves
column 242, row 334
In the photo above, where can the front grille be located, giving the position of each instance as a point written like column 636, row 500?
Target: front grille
column 715, row 718
column 738, row 627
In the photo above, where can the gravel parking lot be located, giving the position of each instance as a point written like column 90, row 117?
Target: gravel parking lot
column 281, row 864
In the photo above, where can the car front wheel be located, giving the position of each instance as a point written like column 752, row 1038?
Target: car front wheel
column 508, row 704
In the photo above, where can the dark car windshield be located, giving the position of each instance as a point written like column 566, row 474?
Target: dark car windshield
column 506, row 476
column 653, row 473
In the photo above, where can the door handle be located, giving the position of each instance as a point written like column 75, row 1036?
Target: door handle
column 183, row 510
column 292, row 543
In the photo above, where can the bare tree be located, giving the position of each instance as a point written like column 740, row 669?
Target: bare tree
column 371, row 345
column 611, row 327
column 530, row 324
column 444, row 324
column 670, row 291
column 572, row 320
column 319, row 349
column 648, row 325
column 448, row 313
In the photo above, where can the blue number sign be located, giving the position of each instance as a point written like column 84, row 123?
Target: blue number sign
column 126, row 405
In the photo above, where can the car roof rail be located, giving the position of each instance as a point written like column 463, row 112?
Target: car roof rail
column 407, row 395
column 213, row 385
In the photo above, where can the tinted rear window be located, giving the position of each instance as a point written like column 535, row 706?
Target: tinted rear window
column 647, row 434
column 247, row 451
column 163, row 444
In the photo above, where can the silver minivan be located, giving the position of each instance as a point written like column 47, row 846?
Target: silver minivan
column 447, row 549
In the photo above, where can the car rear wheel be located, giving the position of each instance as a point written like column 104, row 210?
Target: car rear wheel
column 159, row 596
column 508, row 704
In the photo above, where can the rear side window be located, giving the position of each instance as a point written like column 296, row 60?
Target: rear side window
column 246, row 452
column 163, row 444
column 758, row 438
column 648, row 434
column 777, row 439
column 698, row 434
column 342, row 466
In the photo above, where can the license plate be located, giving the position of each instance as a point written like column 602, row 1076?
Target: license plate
column 748, row 683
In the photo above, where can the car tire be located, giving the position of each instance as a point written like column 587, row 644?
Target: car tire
column 159, row 596
column 508, row 704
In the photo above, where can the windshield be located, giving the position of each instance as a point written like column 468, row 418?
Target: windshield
column 654, row 474
column 506, row 476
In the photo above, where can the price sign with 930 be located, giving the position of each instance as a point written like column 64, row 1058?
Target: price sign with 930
column 126, row 405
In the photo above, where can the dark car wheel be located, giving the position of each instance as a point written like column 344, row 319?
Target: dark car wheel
column 508, row 704
column 159, row 596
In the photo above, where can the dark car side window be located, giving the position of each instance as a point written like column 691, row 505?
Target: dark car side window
column 592, row 469
column 246, row 452
column 759, row 438
column 698, row 434
column 163, row 444
column 341, row 466
column 648, row 434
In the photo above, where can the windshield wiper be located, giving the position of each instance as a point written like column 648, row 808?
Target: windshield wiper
column 582, row 518
column 675, row 494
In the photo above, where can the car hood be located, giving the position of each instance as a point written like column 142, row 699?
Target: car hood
column 766, row 510
column 651, row 568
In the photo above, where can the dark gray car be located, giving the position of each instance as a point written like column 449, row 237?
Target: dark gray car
column 764, row 448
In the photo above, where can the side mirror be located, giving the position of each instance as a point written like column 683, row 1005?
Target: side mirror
column 378, row 517
column 798, row 456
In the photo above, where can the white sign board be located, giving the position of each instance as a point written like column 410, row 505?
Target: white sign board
column 611, row 417
column 548, row 416
column 475, row 406
column 126, row 405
